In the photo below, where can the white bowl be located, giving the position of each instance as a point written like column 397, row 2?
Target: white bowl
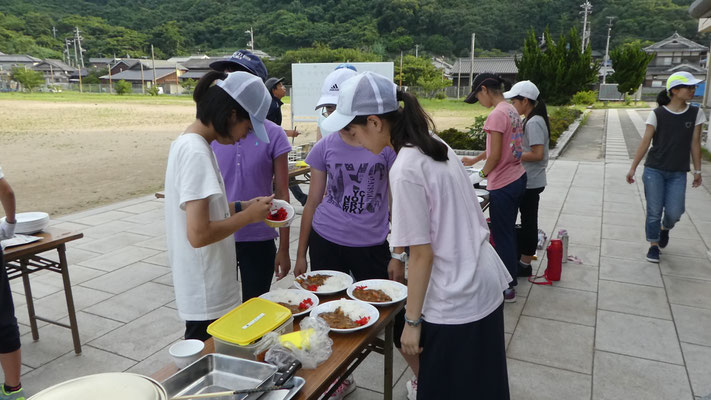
column 365, row 310
column 346, row 281
column 291, row 296
column 290, row 213
column 481, row 192
column 396, row 290
column 185, row 352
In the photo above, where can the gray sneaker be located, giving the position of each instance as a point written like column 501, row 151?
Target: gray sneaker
column 510, row 295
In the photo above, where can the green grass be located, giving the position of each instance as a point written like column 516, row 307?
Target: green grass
column 69, row 96
column 705, row 154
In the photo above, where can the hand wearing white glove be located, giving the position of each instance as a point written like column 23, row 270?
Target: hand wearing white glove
column 475, row 178
column 7, row 230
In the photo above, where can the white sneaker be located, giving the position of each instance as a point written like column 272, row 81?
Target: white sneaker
column 411, row 387
column 347, row 387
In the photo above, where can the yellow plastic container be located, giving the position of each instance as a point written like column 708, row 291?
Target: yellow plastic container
column 237, row 333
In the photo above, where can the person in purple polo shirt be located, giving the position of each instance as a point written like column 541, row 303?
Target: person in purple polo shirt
column 250, row 169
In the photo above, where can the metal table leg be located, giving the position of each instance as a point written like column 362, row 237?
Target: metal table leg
column 28, row 298
column 388, row 362
column 70, row 299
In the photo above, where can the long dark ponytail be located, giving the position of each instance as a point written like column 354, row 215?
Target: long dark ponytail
column 539, row 108
column 411, row 126
column 663, row 98
column 214, row 105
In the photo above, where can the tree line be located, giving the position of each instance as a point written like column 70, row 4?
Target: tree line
column 380, row 27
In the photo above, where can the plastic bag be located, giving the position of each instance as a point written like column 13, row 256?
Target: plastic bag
column 316, row 349
column 542, row 238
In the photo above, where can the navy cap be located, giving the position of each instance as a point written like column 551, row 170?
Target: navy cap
column 245, row 59
column 271, row 83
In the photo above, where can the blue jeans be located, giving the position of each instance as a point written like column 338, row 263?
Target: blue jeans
column 665, row 191
column 502, row 210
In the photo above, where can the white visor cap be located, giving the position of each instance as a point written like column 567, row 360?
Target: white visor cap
column 367, row 93
column 249, row 91
column 332, row 86
column 524, row 89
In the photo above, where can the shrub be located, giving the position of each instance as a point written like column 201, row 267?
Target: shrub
column 153, row 90
column 585, row 97
column 560, row 119
column 472, row 139
column 122, row 87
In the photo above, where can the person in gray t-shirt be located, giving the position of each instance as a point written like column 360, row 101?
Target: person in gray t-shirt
column 525, row 97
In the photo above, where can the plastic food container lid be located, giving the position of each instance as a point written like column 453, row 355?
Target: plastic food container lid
column 108, row 386
column 249, row 322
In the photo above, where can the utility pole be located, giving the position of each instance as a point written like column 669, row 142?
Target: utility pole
column 143, row 85
column 111, row 83
column 66, row 51
column 417, row 50
column 81, row 51
column 471, row 67
column 587, row 10
column 607, row 49
column 251, row 38
column 153, row 58
column 76, row 59
column 400, row 69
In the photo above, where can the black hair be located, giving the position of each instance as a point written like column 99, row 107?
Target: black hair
column 664, row 98
column 493, row 82
column 410, row 126
column 539, row 108
column 214, row 105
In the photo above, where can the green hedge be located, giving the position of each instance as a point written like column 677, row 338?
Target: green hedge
column 474, row 138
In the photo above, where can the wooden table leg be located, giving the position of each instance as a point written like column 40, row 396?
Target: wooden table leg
column 388, row 362
column 28, row 299
column 70, row 299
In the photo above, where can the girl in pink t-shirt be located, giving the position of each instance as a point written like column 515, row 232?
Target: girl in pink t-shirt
column 503, row 169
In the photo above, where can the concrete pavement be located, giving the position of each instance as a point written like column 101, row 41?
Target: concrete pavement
column 614, row 327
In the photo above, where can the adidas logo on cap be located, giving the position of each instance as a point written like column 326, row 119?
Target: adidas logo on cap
column 334, row 88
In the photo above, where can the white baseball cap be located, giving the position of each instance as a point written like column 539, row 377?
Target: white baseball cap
column 249, row 91
column 332, row 85
column 524, row 89
column 681, row 79
column 367, row 93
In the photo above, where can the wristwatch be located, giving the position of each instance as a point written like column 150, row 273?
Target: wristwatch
column 402, row 257
column 697, row 172
column 482, row 174
column 414, row 323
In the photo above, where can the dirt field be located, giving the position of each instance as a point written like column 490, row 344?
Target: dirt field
column 62, row 157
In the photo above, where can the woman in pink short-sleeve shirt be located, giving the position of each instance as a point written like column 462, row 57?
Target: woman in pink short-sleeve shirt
column 503, row 169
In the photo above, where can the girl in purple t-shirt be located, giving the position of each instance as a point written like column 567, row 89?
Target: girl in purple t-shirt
column 503, row 169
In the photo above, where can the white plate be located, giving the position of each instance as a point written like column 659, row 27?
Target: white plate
column 365, row 310
column 290, row 213
column 291, row 296
column 481, row 199
column 396, row 290
column 483, row 183
column 345, row 278
column 30, row 222
column 481, row 192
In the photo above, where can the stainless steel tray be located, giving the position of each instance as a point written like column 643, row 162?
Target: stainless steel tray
column 217, row 373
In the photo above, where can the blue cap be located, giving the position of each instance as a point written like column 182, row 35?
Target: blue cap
column 347, row 65
column 245, row 59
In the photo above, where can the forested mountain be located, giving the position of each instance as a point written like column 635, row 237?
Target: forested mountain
column 385, row 27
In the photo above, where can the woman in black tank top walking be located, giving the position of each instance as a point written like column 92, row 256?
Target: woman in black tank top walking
column 674, row 131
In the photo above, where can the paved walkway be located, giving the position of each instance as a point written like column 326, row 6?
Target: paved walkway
column 614, row 327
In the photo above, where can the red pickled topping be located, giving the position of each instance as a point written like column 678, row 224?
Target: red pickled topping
column 362, row 321
column 304, row 305
column 361, row 287
column 313, row 288
column 278, row 215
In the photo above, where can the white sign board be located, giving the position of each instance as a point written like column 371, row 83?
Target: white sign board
column 307, row 80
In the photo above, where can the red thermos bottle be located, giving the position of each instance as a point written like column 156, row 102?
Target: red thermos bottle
column 555, row 259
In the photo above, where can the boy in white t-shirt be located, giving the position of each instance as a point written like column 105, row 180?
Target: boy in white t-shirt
column 199, row 221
